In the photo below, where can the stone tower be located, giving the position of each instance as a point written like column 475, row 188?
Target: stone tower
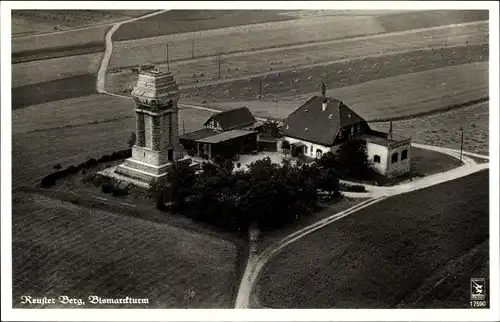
column 156, row 97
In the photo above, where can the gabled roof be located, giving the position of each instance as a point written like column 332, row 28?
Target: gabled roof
column 197, row 135
column 310, row 123
column 225, row 136
column 234, row 118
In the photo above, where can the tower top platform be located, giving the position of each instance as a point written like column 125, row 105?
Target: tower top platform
column 156, row 88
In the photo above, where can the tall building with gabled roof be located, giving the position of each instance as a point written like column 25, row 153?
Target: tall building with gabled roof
column 322, row 124
column 156, row 97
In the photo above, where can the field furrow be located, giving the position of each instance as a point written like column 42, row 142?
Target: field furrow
column 80, row 252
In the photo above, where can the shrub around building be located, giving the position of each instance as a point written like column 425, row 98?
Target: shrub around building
column 268, row 194
column 350, row 162
column 50, row 179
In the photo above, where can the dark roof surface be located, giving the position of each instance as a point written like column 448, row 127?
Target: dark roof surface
column 234, row 118
column 310, row 123
column 198, row 135
column 382, row 138
column 225, row 136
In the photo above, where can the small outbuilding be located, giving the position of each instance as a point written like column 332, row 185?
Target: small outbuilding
column 226, row 134
column 238, row 118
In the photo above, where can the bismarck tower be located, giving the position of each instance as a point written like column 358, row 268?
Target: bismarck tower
column 156, row 96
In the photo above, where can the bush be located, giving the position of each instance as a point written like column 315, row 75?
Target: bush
column 269, row 194
column 119, row 191
column 350, row 162
column 107, row 187
column 48, row 181
column 353, row 188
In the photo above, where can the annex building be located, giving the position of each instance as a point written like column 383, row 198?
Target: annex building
column 323, row 124
column 226, row 134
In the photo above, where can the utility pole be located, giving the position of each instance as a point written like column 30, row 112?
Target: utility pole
column 168, row 60
column 192, row 49
column 461, row 146
column 260, row 88
column 218, row 60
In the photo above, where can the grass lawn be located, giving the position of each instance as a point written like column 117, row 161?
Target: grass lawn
column 267, row 238
column 427, row 162
column 61, row 248
column 377, row 257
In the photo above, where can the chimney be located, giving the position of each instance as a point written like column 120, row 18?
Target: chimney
column 324, row 105
column 389, row 135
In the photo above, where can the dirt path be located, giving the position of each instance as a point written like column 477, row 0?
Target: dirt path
column 101, row 75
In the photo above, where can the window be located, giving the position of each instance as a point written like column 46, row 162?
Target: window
column 404, row 155
column 376, row 158
column 319, row 153
column 305, row 149
column 394, row 158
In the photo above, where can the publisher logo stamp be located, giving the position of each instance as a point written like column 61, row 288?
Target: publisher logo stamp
column 477, row 289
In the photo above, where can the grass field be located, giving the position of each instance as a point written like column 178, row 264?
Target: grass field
column 182, row 21
column 278, row 84
column 444, row 129
column 255, row 53
column 215, row 41
column 30, row 22
column 60, row 248
column 59, row 89
column 57, row 52
column 69, row 38
column 34, row 72
column 70, row 132
column 401, row 242
column 261, row 36
column 387, row 98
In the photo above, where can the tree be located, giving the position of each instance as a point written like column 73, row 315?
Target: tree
column 180, row 179
column 328, row 160
column 328, row 181
column 272, row 128
column 132, row 139
column 353, row 161
column 285, row 145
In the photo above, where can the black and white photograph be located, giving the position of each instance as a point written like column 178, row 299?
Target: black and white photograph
column 251, row 156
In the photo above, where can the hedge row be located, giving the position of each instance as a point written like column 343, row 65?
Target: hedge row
column 50, row 179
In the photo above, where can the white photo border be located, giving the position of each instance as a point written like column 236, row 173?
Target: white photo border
column 10, row 314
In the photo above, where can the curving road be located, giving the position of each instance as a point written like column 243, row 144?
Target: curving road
column 256, row 262
column 101, row 75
